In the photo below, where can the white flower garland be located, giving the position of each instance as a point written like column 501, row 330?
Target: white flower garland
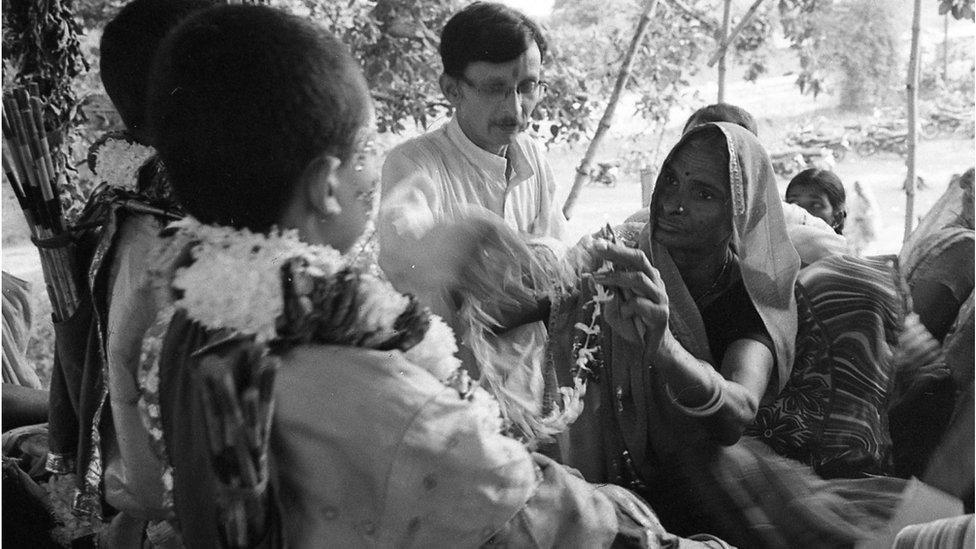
column 118, row 163
column 234, row 282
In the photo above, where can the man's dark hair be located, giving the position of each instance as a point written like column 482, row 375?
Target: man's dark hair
column 127, row 48
column 722, row 112
column 831, row 185
column 485, row 31
column 243, row 99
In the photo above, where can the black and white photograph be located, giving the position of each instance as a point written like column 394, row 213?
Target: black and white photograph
column 662, row 274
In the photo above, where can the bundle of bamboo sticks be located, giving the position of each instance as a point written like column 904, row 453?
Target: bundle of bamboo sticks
column 35, row 177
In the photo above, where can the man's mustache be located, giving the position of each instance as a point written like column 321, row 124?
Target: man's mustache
column 511, row 122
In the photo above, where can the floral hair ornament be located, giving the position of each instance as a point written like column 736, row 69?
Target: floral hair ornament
column 117, row 161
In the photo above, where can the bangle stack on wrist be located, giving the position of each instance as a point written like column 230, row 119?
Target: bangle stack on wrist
column 713, row 405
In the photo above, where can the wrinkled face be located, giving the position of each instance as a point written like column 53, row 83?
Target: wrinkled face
column 693, row 207
column 813, row 200
column 358, row 189
column 494, row 100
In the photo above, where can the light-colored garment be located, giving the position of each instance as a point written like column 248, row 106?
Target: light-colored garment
column 455, row 174
column 133, row 471
column 945, row 213
column 948, row 533
column 16, row 333
column 372, row 451
column 442, row 176
column 812, row 237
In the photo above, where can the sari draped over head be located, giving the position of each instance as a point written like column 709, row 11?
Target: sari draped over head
column 652, row 431
column 630, row 432
column 767, row 259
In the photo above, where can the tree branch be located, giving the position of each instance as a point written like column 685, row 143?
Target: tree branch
column 701, row 17
column 735, row 32
column 582, row 172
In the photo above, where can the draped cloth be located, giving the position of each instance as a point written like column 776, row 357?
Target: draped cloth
column 16, row 333
column 631, row 433
column 945, row 213
column 767, row 260
column 80, row 416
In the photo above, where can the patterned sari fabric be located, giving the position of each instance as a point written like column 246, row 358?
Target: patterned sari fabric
column 831, row 414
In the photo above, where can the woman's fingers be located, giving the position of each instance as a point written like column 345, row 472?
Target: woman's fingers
column 640, row 284
column 622, row 257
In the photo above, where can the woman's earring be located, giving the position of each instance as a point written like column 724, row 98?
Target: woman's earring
column 331, row 206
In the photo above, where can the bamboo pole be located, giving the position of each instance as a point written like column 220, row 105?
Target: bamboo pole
column 583, row 171
column 912, row 89
column 730, row 37
column 726, row 23
column 33, row 175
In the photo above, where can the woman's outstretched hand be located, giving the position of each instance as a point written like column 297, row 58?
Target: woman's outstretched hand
column 639, row 309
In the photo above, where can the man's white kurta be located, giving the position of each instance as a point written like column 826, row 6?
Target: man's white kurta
column 439, row 176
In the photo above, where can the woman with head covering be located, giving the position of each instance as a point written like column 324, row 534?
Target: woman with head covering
column 700, row 330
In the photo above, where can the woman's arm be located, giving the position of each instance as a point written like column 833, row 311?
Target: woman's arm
column 936, row 306
column 639, row 311
column 694, row 383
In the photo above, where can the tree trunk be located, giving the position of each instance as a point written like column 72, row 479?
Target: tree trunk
column 726, row 24
column 945, row 47
column 912, row 88
column 583, row 171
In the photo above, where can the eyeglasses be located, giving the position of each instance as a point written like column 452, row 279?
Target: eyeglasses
column 529, row 89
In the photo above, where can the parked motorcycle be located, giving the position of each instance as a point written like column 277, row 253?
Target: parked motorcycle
column 787, row 164
column 948, row 122
column 807, row 138
column 887, row 137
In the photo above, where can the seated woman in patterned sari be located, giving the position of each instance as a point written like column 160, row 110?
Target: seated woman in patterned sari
column 369, row 435
column 701, row 331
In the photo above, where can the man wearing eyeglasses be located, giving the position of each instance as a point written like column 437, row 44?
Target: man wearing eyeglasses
column 483, row 160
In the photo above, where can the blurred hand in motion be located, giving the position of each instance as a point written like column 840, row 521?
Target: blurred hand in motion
column 918, row 355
